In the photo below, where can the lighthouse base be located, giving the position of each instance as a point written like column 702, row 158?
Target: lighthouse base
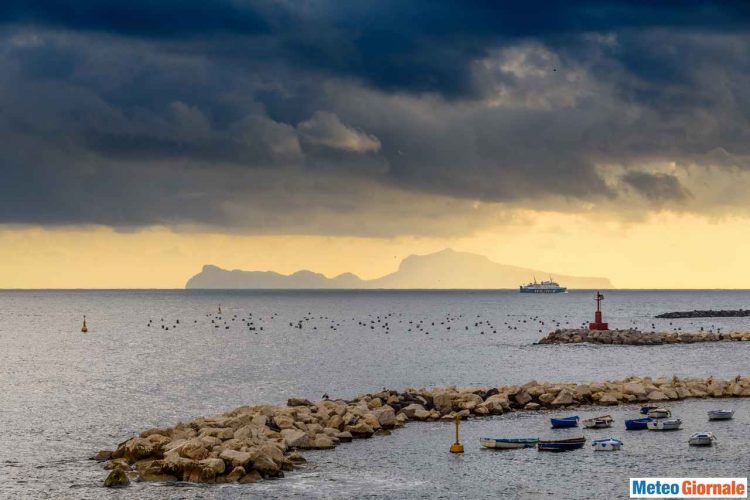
column 598, row 326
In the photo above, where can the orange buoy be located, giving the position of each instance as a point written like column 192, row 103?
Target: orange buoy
column 84, row 328
column 457, row 447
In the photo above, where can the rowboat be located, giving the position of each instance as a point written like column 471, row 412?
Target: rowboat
column 659, row 413
column 603, row 422
column 702, row 439
column 648, row 408
column 607, row 444
column 560, row 423
column 508, row 443
column 637, row 424
column 720, row 414
column 561, row 444
column 664, row 424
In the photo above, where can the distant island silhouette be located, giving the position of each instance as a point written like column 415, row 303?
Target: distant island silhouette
column 446, row 269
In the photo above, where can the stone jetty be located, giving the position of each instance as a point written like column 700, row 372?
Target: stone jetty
column 252, row 443
column 638, row 337
column 723, row 313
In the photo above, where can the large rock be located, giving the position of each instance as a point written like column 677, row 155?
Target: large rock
column 657, row 396
column 194, row 449
column 410, row 410
column 360, row 430
column 116, row 479
column 139, row 448
column 564, row 398
column 298, row 402
column 522, row 398
column 236, row 474
column 634, row 388
column 251, row 477
column 235, row 458
column 386, row 416
column 295, row 438
column 443, row 402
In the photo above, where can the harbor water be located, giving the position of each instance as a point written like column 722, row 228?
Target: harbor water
column 152, row 358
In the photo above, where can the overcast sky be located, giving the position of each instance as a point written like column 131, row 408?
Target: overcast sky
column 388, row 119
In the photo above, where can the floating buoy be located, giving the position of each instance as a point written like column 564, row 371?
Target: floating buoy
column 84, row 328
column 457, row 447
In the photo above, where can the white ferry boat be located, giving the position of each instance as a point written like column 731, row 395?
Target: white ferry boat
column 543, row 287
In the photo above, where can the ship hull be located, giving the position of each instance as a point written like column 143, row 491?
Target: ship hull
column 543, row 290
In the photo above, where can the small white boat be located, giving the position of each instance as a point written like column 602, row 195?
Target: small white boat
column 508, row 443
column 664, row 424
column 659, row 413
column 608, row 444
column 720, row 414
column 602, row 422
column 702, row 439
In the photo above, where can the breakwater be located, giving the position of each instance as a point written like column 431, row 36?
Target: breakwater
column 252, row 443
column 723, row 313
column 638, row 337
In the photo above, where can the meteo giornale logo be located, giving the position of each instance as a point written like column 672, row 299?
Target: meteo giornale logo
column 688, row 487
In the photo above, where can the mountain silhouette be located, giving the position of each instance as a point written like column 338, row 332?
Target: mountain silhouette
column 446, row 269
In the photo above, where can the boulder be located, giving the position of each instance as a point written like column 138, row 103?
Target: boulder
column 608, row 399
column 295, row 438
column 138, row 448
column 360, row 430
column 322, row 442
column 298, row 402
column 102, row 455
column 236, row 474
column 564, row 398
column 522, row 398
column 296, row 458
column 194, row 449
column 634, row 388
column 657, row 396
column 251, row 477
column 284, row 422
column 344, row 437
column 235, row 458
column 156, row 472
column 386, row 416
column 410, row 410
column 531, row 406
column 117, row 478
column 443, row 402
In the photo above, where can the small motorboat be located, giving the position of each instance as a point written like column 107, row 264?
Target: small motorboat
column 637, row 424
column 607, row 444
column 648, row 408
column 561, row 423
column 664, row 424
column 720, row 414
column 702, row 439
column 659, row 413
column 508, row 443
column 561, row 444
column 603, row 422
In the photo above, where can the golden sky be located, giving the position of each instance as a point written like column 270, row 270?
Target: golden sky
column 663, row 251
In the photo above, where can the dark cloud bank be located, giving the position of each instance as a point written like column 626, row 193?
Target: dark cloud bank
column 371, row 118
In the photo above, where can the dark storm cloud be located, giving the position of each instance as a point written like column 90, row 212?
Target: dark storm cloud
column 656, row 187
column 282, row 116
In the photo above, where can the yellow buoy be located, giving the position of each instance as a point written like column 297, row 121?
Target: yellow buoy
column 457, row 447
column 84, row 328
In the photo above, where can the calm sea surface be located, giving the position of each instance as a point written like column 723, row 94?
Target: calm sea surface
column 64, row 395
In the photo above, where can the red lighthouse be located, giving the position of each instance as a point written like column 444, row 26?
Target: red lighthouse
column 598, row 324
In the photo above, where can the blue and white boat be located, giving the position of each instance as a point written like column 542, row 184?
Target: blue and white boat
column 565, row 422
column 721, row 414
column 659, row 413
column 648, row 408
column 664, row 424
column 508, row 443
column 607, row 444
column 637, row 424
column 561, row 444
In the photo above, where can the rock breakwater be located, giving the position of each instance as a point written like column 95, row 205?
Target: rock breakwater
column 252, row 443
column 723, row 313
column 638, row 337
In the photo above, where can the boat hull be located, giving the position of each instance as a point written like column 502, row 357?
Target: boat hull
column 542, row 290
column 637, row 424
column 721, row 415
column 664, row 425
column 564, row 423
column 508, row 444
column 701, row 439
column 561, row 444
column 607, row 444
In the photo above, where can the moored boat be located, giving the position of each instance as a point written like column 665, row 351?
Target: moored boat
column 607, row 444
column 659, row 413
column 702, row 439
column 664, row 424
column 637, row 424
column 647, row 408
column 561, row 444
column 564, row 422
column 720, row 414
column 602, row 422
column 508, row 443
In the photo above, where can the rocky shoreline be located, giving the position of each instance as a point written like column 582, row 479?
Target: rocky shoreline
column 638, row 337
column 723, row 313
column 252, row 443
